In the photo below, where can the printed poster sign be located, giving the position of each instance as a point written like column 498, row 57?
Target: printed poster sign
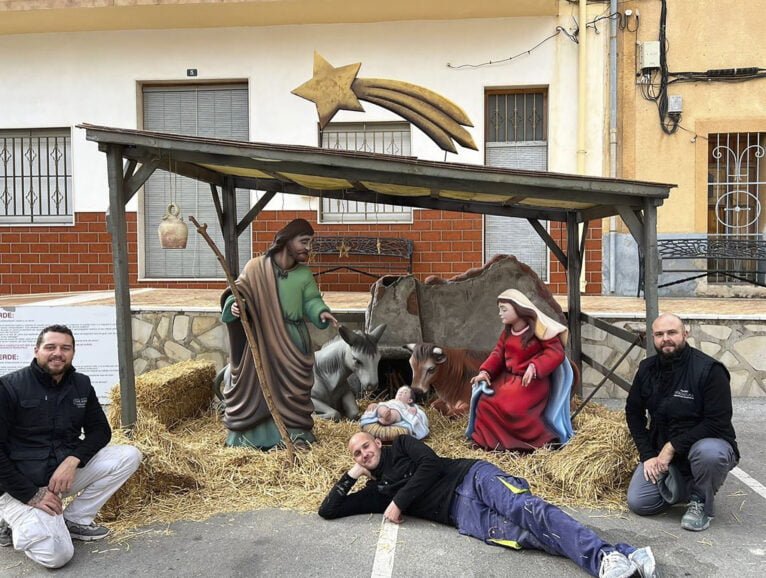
column 95, row 333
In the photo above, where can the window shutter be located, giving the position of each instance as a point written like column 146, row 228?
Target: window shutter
column 511, row 235
column 208, row 111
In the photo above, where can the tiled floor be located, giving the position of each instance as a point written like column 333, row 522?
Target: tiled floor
column 605, row 306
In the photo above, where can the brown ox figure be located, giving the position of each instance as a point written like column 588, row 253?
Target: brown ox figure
column 448, row 372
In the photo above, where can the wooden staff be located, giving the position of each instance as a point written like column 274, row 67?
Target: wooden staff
column 244, row 318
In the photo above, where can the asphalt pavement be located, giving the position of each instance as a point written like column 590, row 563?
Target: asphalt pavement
column 284, row 543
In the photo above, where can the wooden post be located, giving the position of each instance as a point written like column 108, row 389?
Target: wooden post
column 119, row 232
column 651, row 271
column 230, row 236
column 573, row 293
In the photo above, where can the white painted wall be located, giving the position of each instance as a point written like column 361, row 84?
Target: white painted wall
column 65, row 79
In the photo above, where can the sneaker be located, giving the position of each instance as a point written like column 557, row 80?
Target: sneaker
column 86, row 533
column 6, row 536
column 695, row 518
column 643, row 559
column 616, row 565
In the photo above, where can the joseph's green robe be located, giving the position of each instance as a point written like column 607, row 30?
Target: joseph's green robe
column 278, row 303
column 299, row 299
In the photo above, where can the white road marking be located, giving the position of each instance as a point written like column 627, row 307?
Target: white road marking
column 383, row 565
column 749, row 481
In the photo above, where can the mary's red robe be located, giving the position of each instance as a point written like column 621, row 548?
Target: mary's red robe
column 512, row 418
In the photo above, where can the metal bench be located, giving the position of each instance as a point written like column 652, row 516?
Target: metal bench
column 743, row 259
column 370, row 256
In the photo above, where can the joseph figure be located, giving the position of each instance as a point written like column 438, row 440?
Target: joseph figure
column 280, row 293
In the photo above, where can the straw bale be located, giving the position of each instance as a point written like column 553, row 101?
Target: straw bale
column 172, row 394
column 188, row 473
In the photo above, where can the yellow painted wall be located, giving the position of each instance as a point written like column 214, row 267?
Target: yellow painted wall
column 702, row 35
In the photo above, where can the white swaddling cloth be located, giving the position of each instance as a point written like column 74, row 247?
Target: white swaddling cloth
column 415, row 423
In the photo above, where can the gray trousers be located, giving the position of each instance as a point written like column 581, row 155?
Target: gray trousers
column 710, row 459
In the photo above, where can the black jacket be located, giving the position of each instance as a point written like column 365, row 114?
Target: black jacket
column 687, row 399
column 419, row 482
column 41, row 424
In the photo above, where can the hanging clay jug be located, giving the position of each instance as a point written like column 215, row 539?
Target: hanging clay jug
column 172, row 230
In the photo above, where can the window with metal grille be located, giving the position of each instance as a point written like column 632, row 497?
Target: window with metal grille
column 516, row 137
column 36, row 177
column 216, row 111
column 736, row 194
column 385, row 138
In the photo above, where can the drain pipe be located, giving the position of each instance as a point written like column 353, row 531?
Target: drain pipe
column 612, row 138
column 582, row 95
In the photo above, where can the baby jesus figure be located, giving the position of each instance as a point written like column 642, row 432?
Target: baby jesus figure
column 400, row 411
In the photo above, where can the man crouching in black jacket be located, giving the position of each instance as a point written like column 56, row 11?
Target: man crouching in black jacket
column 53, row 434
column 477, row 498
column 679, row 414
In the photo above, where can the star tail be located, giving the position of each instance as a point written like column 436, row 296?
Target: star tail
column 422, row 108
column 437, row 134
column 420, row 93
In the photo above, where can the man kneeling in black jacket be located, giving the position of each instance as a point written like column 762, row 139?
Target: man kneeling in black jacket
column 477, row 498
column 53, row 434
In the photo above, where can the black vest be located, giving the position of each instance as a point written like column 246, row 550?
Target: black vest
column 673, row 395
column 48, row 419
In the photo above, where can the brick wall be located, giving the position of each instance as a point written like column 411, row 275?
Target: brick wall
column 446, row 244
column 593, row 256
column 51, row 259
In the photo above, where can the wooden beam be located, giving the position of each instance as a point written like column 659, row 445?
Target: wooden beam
column 609, row 373
column 651, row 271
column 440, row 179
column 573, row 293
column 217, row 203
column 119, row 232
column 182, row 168
column 602, row 211
column 281, row 157
column 400, row 201
column 254, row 211
column 230, row 237
column 137, row 179
column 548, row 240
column 129, row 168
column 582, row 241
column 634, row 223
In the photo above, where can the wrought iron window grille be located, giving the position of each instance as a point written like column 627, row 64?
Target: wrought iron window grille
column 36, row 177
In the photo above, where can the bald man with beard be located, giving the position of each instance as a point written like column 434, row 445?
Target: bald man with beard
column 477, row 498
column 687, row 446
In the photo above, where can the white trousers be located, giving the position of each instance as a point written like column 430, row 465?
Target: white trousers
column 45, row 538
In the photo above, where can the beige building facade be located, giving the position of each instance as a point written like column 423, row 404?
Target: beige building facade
column 226, row 69
column 707, row 78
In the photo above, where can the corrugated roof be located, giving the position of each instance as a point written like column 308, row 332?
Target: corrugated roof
column 405, row 181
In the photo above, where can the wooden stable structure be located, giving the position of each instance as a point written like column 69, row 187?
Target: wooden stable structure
column 132, row 157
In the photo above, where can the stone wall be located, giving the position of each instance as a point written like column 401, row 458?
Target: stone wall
column 162, row 338
column 739, row 344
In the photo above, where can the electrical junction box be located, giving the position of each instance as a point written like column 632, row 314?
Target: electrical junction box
column 648, row 55
column 675, row 104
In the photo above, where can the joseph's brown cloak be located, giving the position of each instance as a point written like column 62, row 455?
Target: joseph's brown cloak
column 289, row 370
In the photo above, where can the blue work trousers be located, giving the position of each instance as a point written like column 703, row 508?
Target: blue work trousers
column 499, row 509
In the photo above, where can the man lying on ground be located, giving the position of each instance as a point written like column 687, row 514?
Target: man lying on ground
column 477, row 498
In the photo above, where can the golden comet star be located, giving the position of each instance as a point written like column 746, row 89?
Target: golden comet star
column 330, row 89
column 333, row 89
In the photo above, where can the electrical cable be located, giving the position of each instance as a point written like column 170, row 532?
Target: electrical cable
column 559, row 30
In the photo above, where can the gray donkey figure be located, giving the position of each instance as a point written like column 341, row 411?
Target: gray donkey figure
column 351, row 352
